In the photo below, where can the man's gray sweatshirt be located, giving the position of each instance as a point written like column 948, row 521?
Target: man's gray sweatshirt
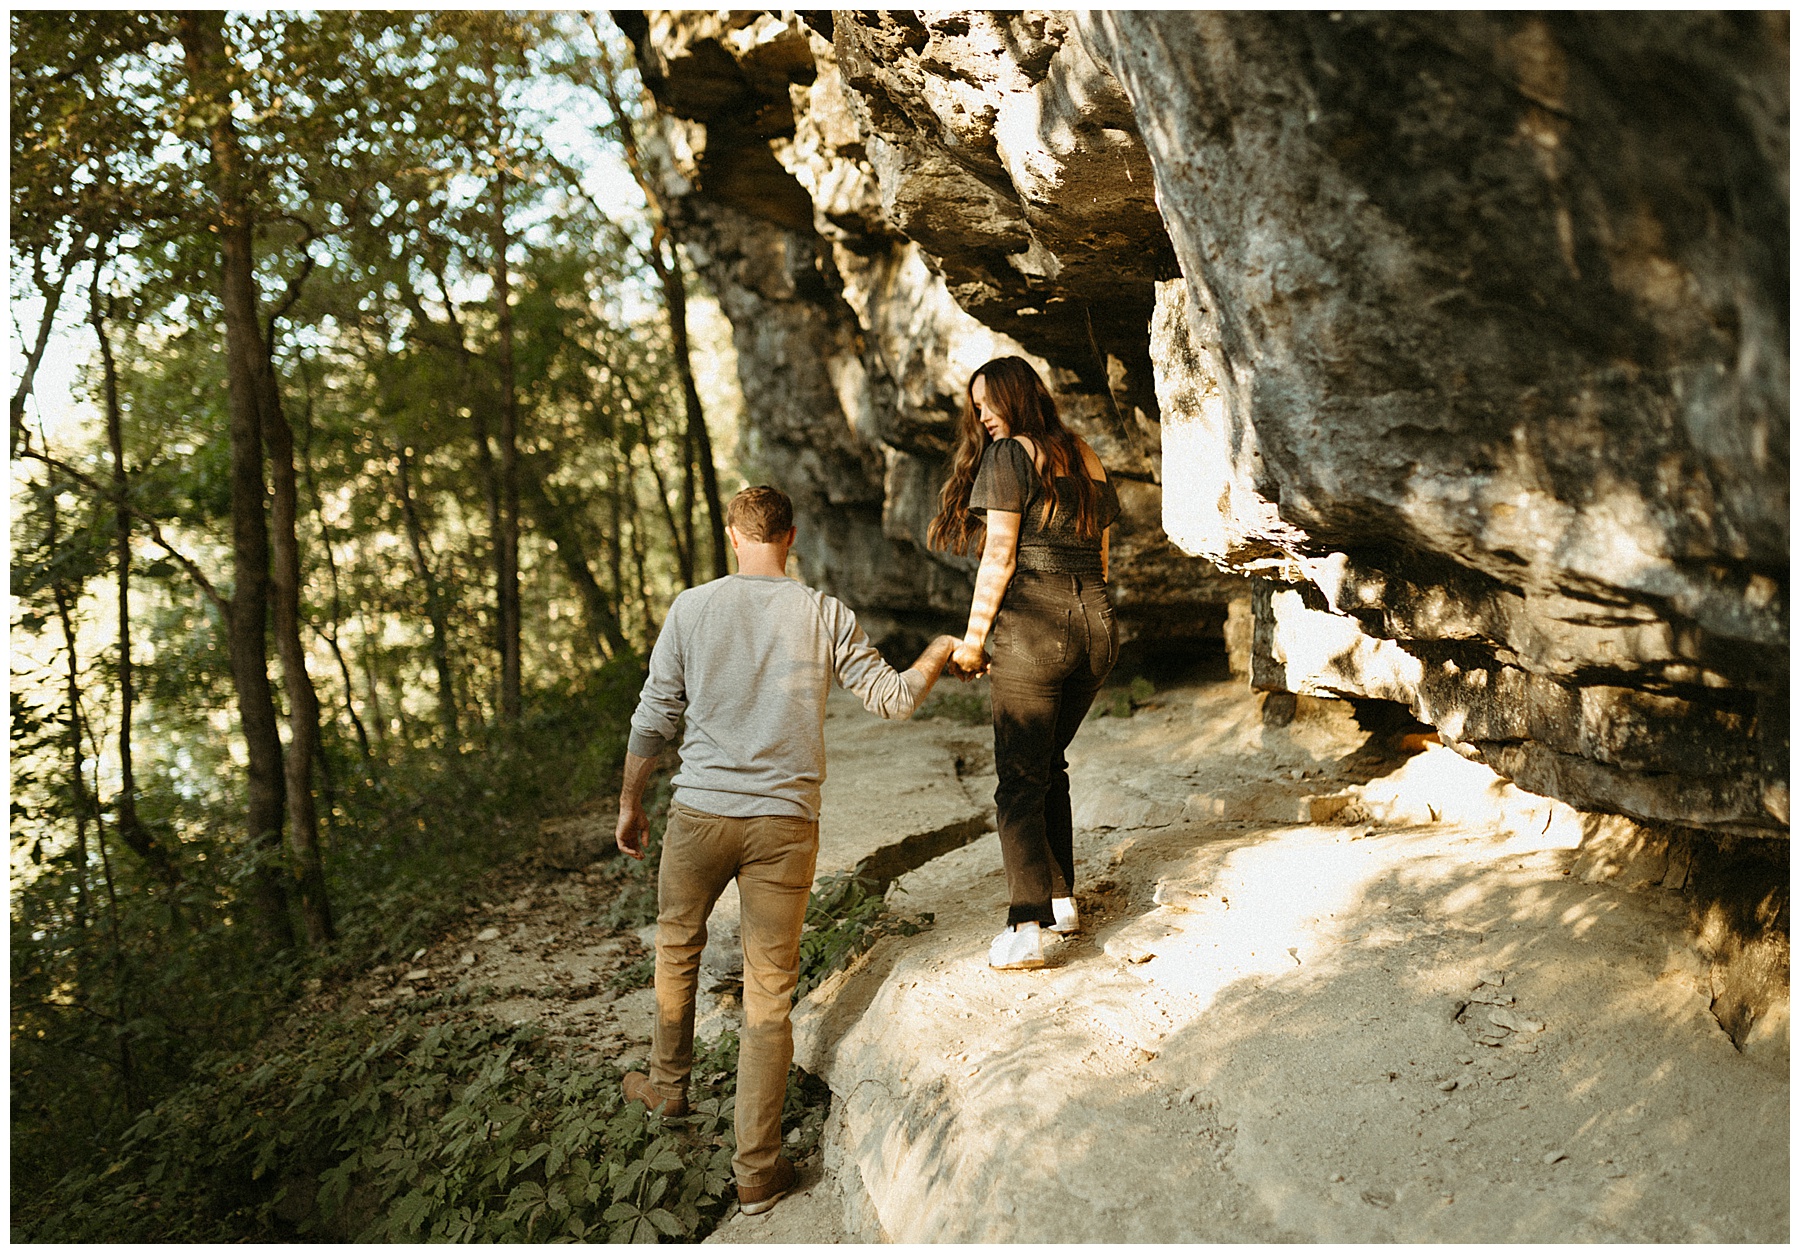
column 750, row 659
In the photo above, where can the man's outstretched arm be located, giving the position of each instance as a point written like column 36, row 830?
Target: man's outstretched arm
column 633, row 833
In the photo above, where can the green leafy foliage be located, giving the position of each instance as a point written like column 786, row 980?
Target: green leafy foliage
column 958, row 704
column 435, row 1123
column 434, row 1126
column 845, row 915
column 384, row 152
column 639, row 974
column 413, row 840
column 1124, row 702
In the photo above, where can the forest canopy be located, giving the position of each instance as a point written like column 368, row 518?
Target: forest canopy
column 397, row 456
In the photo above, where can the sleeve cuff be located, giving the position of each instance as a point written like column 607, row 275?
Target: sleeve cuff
column 913, row 684
column 645, row 744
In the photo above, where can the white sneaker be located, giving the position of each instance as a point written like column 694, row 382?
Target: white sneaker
column 1017, row 949
column 1068, row 920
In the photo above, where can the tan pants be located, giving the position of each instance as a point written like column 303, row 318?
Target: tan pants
column 772, row 860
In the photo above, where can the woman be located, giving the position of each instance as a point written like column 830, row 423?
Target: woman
column 1040, row 601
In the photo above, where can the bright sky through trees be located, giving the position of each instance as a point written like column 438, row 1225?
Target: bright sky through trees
column 568, row 118
column 356, row 482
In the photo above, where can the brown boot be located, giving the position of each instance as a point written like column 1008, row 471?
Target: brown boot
column 754, row 1200
column 638, row 1088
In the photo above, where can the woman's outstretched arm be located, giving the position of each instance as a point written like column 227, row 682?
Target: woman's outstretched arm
column 998, row 557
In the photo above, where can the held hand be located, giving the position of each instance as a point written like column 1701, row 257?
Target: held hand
column 968, row 661
column 633, row 833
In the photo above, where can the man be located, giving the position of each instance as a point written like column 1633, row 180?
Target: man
column 749, row 658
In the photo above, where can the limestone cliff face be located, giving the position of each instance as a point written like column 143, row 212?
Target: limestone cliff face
column 1479, row 350
column 1464, row 335
column 876, row 227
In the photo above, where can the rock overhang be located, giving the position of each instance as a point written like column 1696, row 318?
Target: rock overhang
column 1450, row 324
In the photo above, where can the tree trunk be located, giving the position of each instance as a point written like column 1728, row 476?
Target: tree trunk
column 356, row 723
column 327, row 776
column 372, row 677
column 511, row 699
column 434, row 602
column 77, row 758
column 121, row 985
column 699, row 440
column 637, row 560
column 683, row 556
column 687, row 506
column 556, row 519
column 86, row 808
column 303, row 699
column 337, row 601
column 615, row 515
column 251, row 368
column 490, row 482
column 247, row 624
column 52, row 293
column 131, row 828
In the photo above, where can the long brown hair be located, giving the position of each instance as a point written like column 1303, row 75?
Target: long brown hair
column 1016, row 392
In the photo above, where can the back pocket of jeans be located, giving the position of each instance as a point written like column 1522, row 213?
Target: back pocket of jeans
column 1031, row 634
column 1104, row 648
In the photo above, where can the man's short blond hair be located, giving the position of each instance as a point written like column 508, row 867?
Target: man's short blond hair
column 762, row 513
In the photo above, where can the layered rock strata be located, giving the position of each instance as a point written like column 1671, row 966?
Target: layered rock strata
column 1479, row 356
column 876, row 228
column 1463, row 334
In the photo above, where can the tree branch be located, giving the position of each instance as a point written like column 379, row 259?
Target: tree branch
column 52, row 294
column 297, row 282
column 150, row 525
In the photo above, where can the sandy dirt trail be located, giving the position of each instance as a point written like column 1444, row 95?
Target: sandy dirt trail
column 1330, row 987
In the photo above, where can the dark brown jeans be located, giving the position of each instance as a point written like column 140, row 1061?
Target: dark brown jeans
column 772, row 860
column 1054, row 643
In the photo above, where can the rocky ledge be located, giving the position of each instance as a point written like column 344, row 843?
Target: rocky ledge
column 1453, row 347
